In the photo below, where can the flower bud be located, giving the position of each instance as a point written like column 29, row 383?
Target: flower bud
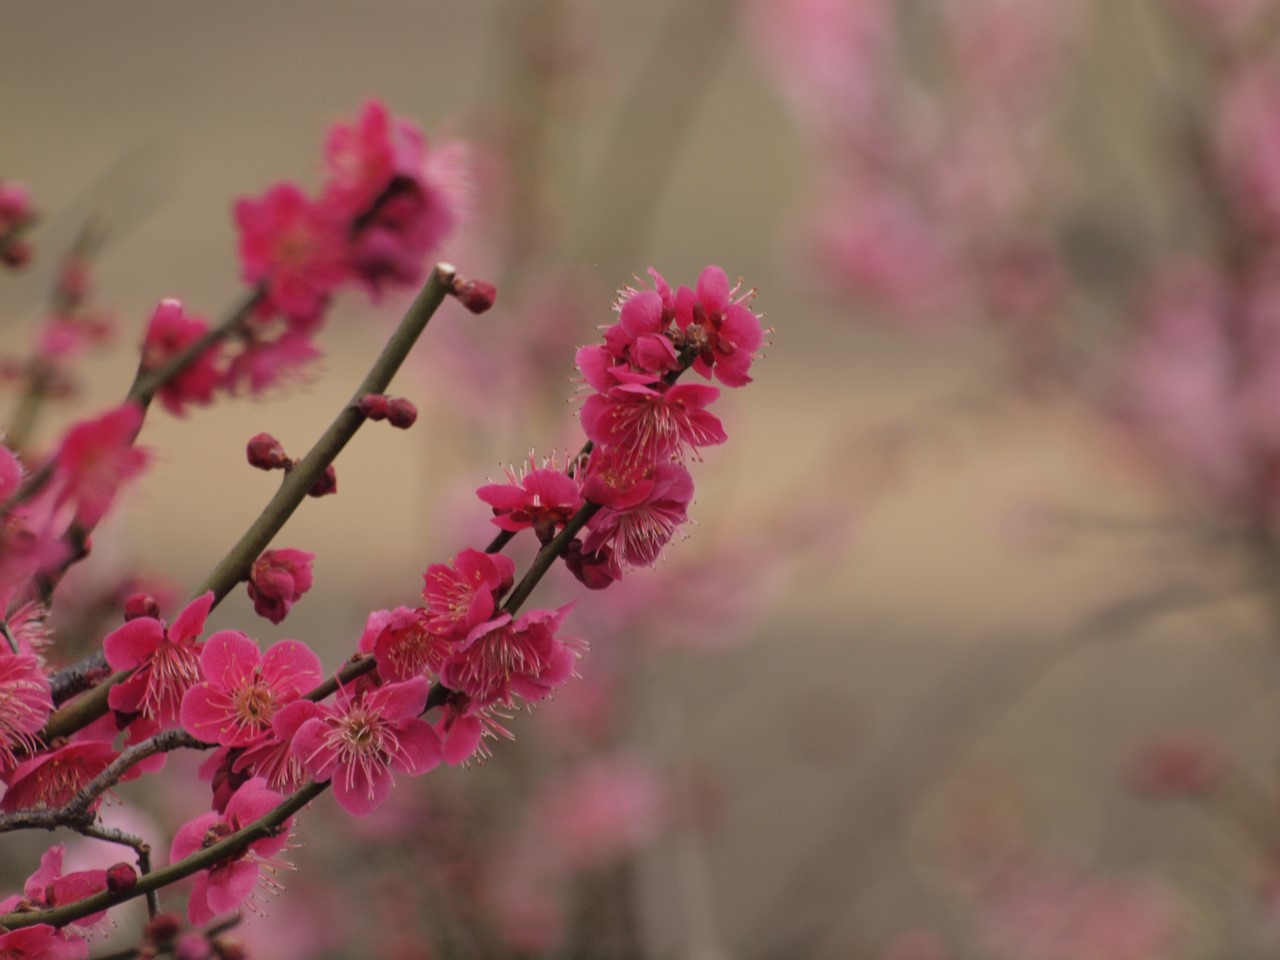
column 141, row 605
column 325, row 484
column 373, row 406
column 121, row 878
column 265, row 452
column 401, row 413
column 162, row 929
column 476, row 295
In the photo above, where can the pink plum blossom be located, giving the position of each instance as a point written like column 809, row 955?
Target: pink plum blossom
column 278, row 579
column 172, row 331
column 465, row 594
column 542, row 497
column 244, row 688
column 505, row 658
column 403, row 644
column 51, row 779
column 25, row 705
column 164, row 661
column 97, row 458
column 640, row 518
column 225, row 886
column 723, row 333
column 41, row 942
column 294, row 248
column 653, row 423
column 361, row 739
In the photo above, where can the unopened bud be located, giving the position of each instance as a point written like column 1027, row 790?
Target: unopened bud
column 16, row 254
column 476, row 295
column 162, row 929
column 265, row 452
column 373, row 406
column 121, row 878
column 325, row 484
column 401, row 413
column 141, row 605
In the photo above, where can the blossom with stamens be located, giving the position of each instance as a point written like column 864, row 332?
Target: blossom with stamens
column 403, row 645
column 244, row 688
column 227, row 884
column 505, row 658
column 543, row 497
column 165, row 662
column 464, row 595
column 358, row 741
column 51, row 779
column 41, row 942
column 25, row 704
column 653, row 423
column 641, row 513
column 722, row 332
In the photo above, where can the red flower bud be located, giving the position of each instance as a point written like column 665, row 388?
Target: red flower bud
column 16, row 253
column 141, row 605
column 373, row 406
column 476, row 295
column 401, row 413
column 121, row 878
column 325, row 484
column 265, row 452
column 162, row 929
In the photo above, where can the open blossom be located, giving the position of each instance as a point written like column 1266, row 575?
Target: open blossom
column 25, row 705
column 41, row 942
column 51, row 779
column 361, row 739
column 543, row 497
column 172, row 331
column 277, row 580
column 244, row 688
column 230, row 882
column 636, row 526
column 403, row 644
column 49, row 887
column 505, row 658
column 294, row 247
column 653, row 423
column 465, row 594
column 263, row 364
column 721, row 330
column 164, row 661
column 98, row 457
column 403, row 197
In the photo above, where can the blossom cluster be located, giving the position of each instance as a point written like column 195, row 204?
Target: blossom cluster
column 430, row 682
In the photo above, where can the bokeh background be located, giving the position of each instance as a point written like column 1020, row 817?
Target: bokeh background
column 969, row 653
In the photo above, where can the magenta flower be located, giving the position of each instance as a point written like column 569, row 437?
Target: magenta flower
column 503, row 659
column 464, row 595
column 635, row 527
column 358, row 741
column 402, row 644
column 540, row 497
column 48, row 887
column 10, row 473
column 652, row 424
column 264, row 363
column 164, row 661
column 384, row 161
column 170, row 333
column 243, row 688
column 98, row 457
column 52, row 779
column 277, row 581
column 295, row 248
column 225, row 886
column 41, row 942
column 722, row 332
column 25, row 705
